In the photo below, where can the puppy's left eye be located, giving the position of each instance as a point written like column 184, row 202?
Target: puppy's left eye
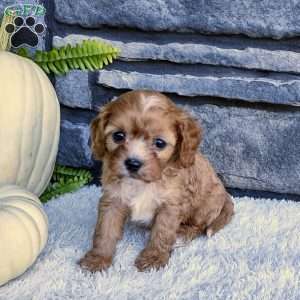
column 160, row 143
column 119, row 136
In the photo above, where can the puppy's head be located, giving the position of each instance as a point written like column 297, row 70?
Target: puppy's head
column 141, row 133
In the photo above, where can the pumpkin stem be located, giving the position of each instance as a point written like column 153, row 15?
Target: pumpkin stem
column 4, row 35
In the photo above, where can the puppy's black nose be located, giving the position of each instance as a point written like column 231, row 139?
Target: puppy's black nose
column 133, row 164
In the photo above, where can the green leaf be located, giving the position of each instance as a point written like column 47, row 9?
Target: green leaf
column 105, row 60
column 45, row 68
column 64, row 66
column 93, row 62
column 59, row 66
column 23, row 52
column 68, row 49
column 88, row 55
column 53, row 68
column 87, row 63
column 62, row 53
column 65, row 180
column 76, row 65
column 110, row 58
column 38, row 57
column 80, row 63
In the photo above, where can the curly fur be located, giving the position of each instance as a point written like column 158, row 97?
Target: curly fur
column 175, row 192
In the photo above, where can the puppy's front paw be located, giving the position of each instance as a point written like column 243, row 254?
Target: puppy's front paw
column 94, row 262
column 151, row 259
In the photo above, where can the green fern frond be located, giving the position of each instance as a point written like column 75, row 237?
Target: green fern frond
column 65, row 180
column 23, row 52
column 67, row 172
column 59, row 188
column 89, row 55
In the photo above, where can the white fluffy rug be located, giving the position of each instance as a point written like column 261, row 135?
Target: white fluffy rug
column 257, row 256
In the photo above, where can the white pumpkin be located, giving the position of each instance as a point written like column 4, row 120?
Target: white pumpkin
column 23, row 231
column 29, row 124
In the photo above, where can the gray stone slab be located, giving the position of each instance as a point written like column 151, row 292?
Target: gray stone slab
column 205, row 51
column 73, row 89
column 253, row 149
column 74, row 149
column 4, row 4
column 255, row 18
column 205, row 81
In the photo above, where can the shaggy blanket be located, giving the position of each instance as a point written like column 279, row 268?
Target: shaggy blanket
column 257, row 256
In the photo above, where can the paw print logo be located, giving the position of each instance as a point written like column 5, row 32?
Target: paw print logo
column 25, row 31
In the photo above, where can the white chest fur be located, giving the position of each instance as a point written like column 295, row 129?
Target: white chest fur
column 143, row 206
column 142, row 198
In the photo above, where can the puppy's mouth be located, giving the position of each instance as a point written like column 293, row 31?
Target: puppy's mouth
column 142, row 176
column 135, row 176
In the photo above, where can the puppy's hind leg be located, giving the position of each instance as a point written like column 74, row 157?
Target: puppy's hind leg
column 189, row 232
column 223, row 218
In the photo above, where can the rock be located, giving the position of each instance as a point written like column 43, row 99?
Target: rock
column 223, row 51
column 203, row 80
column 256, row 18
column 185, row 79
column 253, row 149
column 4, row 4
column 74, row 149
column 245, row 90
column 73, row 89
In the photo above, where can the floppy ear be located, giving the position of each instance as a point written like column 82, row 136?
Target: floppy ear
column 97, row 134
column 189, row 137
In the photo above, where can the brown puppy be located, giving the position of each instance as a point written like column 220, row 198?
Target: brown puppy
column 153, row 174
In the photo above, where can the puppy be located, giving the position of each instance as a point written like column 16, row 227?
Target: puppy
column 153, row 175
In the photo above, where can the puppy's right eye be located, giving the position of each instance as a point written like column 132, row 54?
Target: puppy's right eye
column 160, row 143
column 119, row 136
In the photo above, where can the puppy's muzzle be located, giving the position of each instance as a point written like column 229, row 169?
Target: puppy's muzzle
column 133, row 164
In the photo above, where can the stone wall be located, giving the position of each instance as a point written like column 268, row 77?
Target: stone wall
column 234, row 63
